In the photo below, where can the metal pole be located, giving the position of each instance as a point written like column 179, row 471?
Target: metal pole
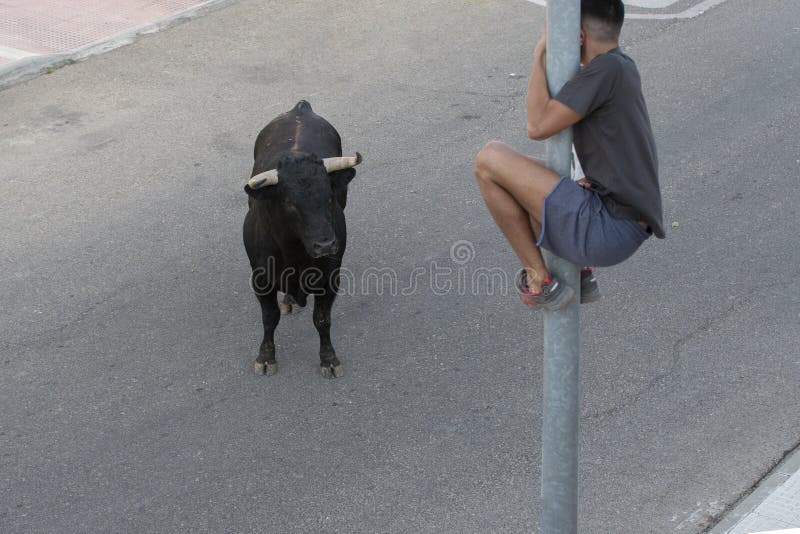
column 561, row 343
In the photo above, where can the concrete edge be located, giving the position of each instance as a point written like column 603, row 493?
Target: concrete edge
column 34, row 66
column 779, row 474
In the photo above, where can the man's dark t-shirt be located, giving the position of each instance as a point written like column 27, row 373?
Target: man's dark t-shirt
column 614, row 140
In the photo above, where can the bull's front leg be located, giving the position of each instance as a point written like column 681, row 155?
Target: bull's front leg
column 330, row 366
column 266, row 364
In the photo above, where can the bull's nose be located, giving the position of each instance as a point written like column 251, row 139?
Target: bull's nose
column 325, row 248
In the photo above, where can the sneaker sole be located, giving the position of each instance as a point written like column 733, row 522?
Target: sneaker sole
column 560, row 302
column 588, row 298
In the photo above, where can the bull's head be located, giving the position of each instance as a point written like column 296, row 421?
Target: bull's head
column 302, row 196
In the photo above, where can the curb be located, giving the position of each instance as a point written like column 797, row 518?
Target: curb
column 34, row 66
column 763, row 493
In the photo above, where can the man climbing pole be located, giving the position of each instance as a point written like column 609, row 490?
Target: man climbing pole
column 604, row 218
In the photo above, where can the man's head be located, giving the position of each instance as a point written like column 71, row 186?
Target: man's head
column 601, row 20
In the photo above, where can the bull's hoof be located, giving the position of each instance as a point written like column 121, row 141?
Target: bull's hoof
column 331, row 371
column 267, row 368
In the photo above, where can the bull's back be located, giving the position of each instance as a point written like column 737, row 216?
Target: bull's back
column 297, row 130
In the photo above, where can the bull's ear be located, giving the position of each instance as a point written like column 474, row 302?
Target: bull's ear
column 260, row 192
column 339, row 182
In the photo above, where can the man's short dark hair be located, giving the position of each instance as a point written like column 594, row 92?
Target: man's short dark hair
column 603, row 18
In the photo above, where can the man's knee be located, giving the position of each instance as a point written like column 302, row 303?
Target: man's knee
column 485, row 159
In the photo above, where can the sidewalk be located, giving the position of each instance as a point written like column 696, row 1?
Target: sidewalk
column 39, row 34
column 772, row 508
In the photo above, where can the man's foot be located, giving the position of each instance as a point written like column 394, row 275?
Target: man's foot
column 554, row 295
column 590, row 292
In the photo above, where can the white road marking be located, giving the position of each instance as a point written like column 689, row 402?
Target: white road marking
column 13, row 53
column 689, row 13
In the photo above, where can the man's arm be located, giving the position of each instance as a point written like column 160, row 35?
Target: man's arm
column 546, row 116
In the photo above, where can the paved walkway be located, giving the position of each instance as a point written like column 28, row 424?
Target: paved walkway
column 772, row 508
column 36, row 34
column 35, row 27
column 31, row 29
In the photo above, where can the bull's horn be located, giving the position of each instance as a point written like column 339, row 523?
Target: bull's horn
column 338, row 164
column 263, row 179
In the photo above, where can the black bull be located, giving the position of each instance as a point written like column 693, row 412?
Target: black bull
column 294, row 231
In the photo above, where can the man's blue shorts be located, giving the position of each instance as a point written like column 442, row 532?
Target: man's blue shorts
column 577, row 226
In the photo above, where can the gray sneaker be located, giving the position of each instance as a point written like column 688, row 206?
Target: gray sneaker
column 590, row 292
column 554, row 295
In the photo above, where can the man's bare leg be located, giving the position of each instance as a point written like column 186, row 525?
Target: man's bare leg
column 514, row 187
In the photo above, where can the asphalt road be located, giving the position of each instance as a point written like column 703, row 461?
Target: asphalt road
column 128, row 327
